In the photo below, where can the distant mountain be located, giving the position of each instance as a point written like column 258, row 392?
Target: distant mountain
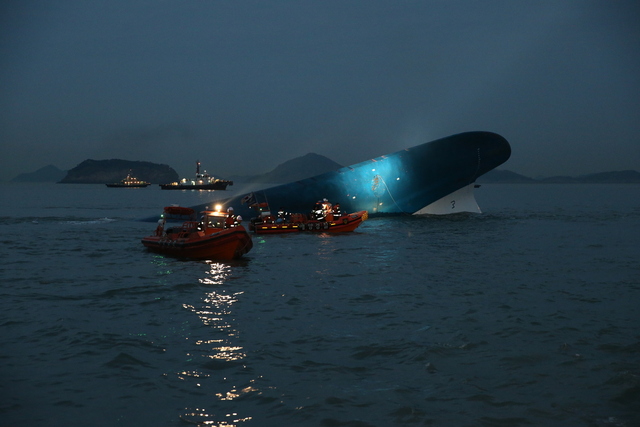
column 309, row 165
column 629, row 176
column 48, row 173
column 108, row 171
column 614, row 177
column 314, row 164
column 504, row 176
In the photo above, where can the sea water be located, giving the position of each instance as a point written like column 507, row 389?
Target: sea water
column 526, row 314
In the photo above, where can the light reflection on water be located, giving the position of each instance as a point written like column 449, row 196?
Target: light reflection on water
column 471, row 320
column 324, row 248
column 215, row 312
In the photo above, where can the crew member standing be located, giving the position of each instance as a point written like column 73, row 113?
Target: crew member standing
column 230, row 220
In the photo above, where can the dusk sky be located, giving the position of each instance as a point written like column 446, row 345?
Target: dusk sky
column 243, row 86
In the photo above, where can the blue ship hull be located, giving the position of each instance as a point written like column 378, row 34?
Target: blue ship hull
column 403, row 182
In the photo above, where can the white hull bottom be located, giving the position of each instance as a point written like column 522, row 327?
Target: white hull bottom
column 462, row 200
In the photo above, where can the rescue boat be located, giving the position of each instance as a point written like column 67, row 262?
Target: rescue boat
column 324, row 218
column 217, row 235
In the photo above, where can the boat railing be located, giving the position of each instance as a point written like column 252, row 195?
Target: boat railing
column 189, row 226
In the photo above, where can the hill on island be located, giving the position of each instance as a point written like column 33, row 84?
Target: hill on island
column 309, row 165
column 114, row 170
column 48, row 173
column 614, row 177
column 504, row 176
column 306, row 166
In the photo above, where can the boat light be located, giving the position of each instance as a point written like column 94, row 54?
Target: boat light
column 218, row 208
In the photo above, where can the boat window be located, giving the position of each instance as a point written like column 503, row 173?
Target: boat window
column 213, row 222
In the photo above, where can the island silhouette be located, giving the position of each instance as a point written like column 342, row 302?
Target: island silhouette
column 311, row 164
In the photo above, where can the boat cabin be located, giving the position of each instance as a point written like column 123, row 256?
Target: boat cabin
column 213, row 221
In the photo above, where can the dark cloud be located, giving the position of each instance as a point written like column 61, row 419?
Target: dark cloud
column 247, row 85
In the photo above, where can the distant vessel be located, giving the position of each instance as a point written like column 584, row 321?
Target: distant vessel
column 202, row 181
column 129, row 182
column 434, row 178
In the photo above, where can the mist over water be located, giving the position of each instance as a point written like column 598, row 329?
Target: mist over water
column 523, row 315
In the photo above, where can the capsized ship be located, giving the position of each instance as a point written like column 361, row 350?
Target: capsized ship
column 437, row 177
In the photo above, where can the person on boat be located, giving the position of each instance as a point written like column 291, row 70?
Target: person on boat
column 282, row 216
column 231, row 219
column 160, row 227
column 327, row 209
column 318, row 211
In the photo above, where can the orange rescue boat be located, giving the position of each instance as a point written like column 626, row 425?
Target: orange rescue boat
column 324, row 218
column 217, row 235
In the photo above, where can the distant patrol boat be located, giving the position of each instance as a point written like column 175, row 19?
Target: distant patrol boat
column 202, row 181
column 129, row 182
